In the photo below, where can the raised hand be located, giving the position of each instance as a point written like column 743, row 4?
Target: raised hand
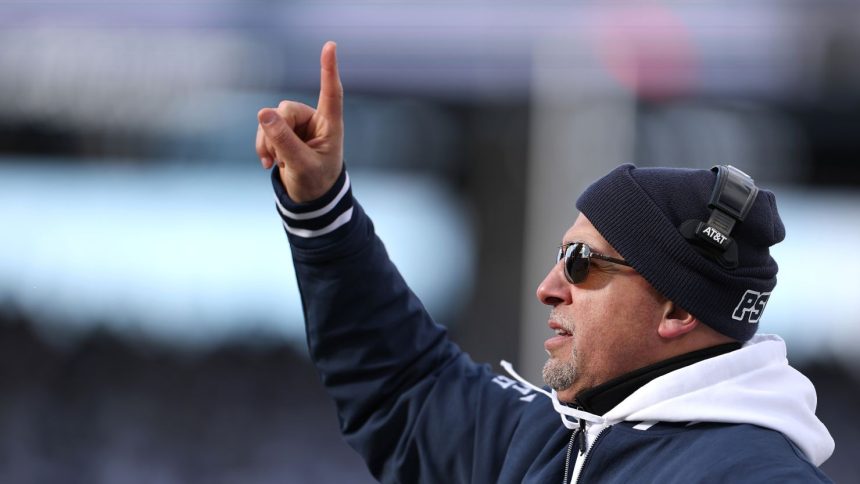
column 306, row 143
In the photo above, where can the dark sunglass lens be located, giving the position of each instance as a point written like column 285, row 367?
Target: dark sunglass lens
column 576, row 266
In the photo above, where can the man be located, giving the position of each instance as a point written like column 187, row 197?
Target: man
column 655, row 369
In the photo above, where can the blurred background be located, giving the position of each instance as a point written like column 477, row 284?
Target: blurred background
column 150, row 325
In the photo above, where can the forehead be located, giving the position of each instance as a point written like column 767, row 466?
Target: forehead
column 583, row 231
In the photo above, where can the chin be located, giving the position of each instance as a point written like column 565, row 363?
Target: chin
column 560, row 375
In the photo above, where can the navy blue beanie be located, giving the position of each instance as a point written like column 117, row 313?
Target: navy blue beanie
column 639, row 211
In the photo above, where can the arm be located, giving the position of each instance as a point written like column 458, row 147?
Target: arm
column 411, row 402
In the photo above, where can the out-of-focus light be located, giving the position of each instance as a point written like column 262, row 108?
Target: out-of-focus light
column 815, row 305
column 647, row 48
column 192, row 257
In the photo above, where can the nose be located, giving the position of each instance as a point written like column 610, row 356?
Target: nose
column 554, row 289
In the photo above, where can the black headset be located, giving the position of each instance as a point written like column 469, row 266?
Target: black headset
column 733, row 197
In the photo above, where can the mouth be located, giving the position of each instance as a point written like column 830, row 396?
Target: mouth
column 558, row 328
column 561, row 338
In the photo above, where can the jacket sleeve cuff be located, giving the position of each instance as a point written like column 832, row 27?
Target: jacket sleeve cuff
column 316, row 223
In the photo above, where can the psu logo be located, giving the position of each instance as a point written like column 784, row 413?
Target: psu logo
column 751, row 306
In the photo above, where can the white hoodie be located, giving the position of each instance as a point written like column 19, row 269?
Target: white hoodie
column 751, row 385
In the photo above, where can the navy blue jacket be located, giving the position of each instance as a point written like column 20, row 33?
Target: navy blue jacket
column 418, row 409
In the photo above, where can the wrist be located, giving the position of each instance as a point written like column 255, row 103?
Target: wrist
column 318, row 218
column 304, row 192
column 304, row 189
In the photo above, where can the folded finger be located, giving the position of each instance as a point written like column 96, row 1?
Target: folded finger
column 280, row 136
column 262, row 148
column 295, row 113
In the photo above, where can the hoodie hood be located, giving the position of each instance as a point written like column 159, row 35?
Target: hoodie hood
column 752, row 385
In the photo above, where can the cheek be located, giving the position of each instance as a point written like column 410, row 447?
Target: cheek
column 597, row 333
column 634, row 302
column 616, row 327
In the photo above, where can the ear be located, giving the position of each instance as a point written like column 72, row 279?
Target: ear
column 676, row 321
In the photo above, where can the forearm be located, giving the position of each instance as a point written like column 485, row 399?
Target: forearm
column 408, row 399
column 369, row 336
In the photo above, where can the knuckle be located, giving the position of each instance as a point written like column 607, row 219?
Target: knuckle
column 281, row 137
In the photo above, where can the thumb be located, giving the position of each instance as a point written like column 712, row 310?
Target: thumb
column 287, row 145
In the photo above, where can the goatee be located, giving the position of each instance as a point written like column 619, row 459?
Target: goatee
column 560, row 373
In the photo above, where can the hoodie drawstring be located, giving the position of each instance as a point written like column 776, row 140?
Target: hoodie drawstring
column 579, row 416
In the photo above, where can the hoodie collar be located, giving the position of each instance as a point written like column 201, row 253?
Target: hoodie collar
column 602, row 398
column 753, row 385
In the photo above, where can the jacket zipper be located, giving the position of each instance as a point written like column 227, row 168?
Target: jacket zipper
column 567, row 457
column 580, row 432
column 583, row 437
column 588, row 453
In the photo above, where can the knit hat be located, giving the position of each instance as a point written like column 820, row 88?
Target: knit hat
column 640, row 212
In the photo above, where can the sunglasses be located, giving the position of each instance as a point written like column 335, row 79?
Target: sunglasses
column 577, row 258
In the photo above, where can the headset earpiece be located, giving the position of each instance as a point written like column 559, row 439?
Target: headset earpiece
column 731, row 200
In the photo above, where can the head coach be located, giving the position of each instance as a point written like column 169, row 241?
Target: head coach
column 656, row 372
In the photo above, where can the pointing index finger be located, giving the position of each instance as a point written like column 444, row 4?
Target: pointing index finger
column 330, row 102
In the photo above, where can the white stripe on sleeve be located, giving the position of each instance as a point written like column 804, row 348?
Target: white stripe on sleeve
column 341, row 220
column 316, row 213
